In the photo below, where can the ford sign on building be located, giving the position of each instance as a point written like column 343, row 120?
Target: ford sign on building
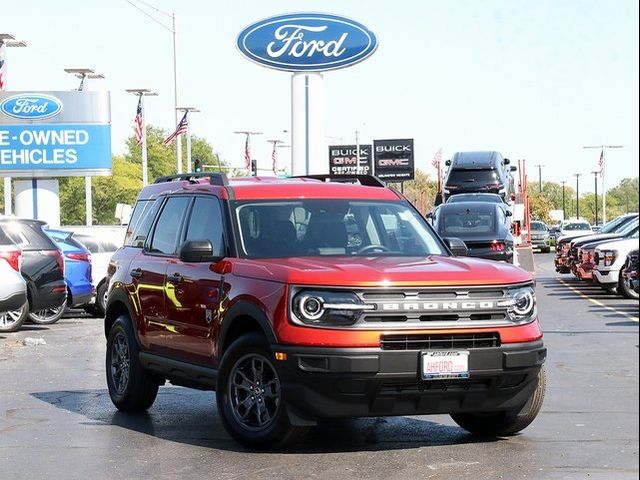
column 54, row 134
column 306, row 42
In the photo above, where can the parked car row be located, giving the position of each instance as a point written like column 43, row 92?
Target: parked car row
column 602, row 258
column 45, row 271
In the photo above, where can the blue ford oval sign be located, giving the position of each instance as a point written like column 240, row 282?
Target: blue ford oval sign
column 306, row 42
column 31, row 106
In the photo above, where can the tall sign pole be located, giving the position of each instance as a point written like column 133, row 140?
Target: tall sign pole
column 7, row 40
column 602, row 149
column 306, row 45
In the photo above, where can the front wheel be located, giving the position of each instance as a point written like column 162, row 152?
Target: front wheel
column 13, row 320
column 624, row 288
column 249, row 396
column 501, row 424
column 131, row 388
column 48, row 316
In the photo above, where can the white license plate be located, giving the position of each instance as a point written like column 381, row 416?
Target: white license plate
column 443, row 364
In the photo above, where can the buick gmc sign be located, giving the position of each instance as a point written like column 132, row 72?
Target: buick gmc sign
column 306, row 42
column 343, row 160
column 31, row 106
column 393, row 159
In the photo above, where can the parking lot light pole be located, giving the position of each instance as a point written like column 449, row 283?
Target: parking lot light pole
column 7, row 40
column 564, row 210
column 141, row 93
column 83, row 74
column 188, row 132
column 577, row 175
column 539, row 167
column 595, row 178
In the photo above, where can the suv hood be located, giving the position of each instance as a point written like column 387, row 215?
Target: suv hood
column 381, row 271
column 622, row 246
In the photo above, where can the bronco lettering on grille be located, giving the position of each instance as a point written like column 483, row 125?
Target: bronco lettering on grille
column 437, row 306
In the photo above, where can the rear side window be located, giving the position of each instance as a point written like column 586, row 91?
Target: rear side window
column 140, row 232
column 168, row 226
column 28, row 236
column 137, row 216
column 206, row 223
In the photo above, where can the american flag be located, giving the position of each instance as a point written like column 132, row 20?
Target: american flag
column 247, row 154
column 601, row 163
column 181, row 129
column 139, row 122
column 2, row 65
column 274, row 158
column 437, row 158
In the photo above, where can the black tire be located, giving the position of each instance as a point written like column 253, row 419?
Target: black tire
column 276, row 430
column 546, row 250
column 101, row 299
column 48, row 316
column 13, row 320
column 501, row 424
column 624, row 288
column 131, row 388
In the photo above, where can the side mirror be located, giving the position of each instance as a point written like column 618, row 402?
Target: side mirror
column 457, row 246
column 513, row 168
column 193, row 251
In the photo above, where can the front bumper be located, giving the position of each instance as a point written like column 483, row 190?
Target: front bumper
column 360, row 382
column 542, row 244
column 606, row 277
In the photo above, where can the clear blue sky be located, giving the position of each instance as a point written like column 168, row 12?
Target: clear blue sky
column 532, row 79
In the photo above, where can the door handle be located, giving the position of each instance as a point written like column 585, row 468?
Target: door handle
column 136, row 273
column 175, row 278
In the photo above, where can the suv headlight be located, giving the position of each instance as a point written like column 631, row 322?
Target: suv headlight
column 327, row 308
column 608, row 257
column 520, row 303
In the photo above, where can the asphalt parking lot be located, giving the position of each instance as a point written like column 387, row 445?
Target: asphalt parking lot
column 56, row 419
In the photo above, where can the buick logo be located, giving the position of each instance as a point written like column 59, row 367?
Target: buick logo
column 306, row 42
column 31, row 106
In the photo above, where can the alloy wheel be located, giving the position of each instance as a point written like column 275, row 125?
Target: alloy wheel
column 120, row 363
column 254, row 392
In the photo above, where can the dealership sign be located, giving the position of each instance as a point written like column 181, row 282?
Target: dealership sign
column 55, row 134
column 344, row 161
column 393, row 159
column 306, row 42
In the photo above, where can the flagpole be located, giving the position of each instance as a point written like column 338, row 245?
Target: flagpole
column 145, row 174
column 602, row 149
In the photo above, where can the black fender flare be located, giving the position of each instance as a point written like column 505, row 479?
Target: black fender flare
column 119, row 295
column 245, row 309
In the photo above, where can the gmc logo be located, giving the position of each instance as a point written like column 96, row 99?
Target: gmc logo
column 389, row 162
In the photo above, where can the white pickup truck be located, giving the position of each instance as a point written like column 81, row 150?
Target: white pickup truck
column 609, row 258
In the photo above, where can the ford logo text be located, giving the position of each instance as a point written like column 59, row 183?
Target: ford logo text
column 306, row 42
column 31, row 106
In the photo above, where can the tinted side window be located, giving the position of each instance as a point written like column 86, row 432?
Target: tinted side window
column 143, row 228
column 206, row 223
column 168, row 226
column 29, row 236
column 136, row 217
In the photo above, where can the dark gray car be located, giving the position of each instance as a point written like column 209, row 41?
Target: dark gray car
column 540, row 236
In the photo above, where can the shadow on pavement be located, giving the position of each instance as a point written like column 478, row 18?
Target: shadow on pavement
column 190, row 417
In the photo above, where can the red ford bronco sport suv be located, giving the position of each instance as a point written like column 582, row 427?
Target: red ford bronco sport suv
column 302, row 299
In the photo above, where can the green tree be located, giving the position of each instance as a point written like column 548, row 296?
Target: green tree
column 421, row 191
column 623, row 198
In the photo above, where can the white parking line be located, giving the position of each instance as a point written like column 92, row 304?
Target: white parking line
column 598, row 303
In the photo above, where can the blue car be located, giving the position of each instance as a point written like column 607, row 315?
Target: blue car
column 77, row 267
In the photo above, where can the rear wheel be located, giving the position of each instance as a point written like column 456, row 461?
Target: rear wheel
column 13, row 320
column 249, row 396
column 501, row 424
column 131, row 388
column 48, row 316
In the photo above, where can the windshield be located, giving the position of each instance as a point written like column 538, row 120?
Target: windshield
column 576, row 226
column 482, row 176
column 320, row 228
column 538, row 226
column 468, row 222
column 464, row 197
column 614, row 225
column 629, row 228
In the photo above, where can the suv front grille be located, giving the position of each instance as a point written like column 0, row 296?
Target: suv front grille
column 439, row 341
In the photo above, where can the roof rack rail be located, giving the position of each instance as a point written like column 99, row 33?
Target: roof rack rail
column 365, row 180
column 216, row 178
